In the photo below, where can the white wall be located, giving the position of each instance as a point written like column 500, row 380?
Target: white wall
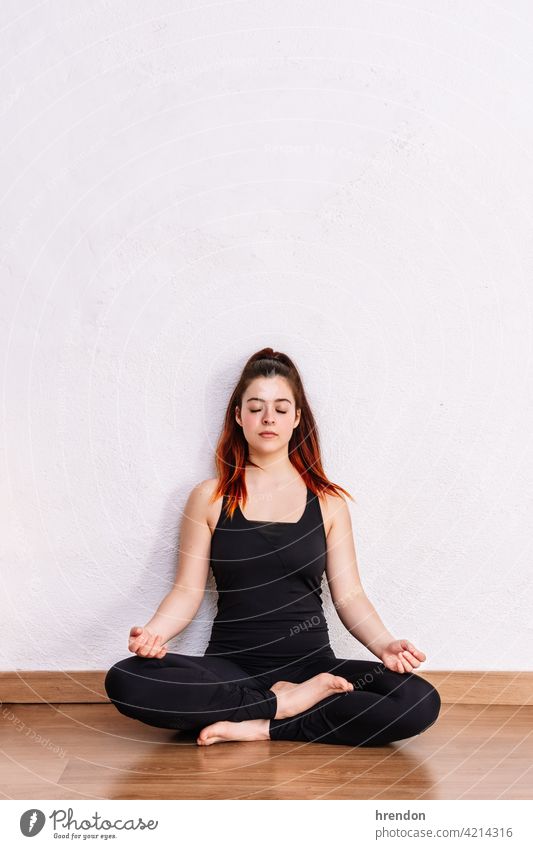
column 181, row 186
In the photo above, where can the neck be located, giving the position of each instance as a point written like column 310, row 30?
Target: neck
column 275, row 468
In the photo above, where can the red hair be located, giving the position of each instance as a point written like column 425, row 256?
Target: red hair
column 304, row 448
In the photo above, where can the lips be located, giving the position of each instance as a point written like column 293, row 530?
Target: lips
column 267, row 433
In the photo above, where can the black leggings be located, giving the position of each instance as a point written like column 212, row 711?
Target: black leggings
column 188, row 692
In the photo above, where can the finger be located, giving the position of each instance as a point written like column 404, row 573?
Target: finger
column 133, row 644
column 150, row 645
column 155, row 646
column 162, row 653
column 414, row 651
column 139, row 642
column 144, row 647
column 412, row 660
column 136, row 634
column 406, row 664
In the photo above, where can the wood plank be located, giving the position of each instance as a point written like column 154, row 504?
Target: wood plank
column 471, row 752
column 87, row 687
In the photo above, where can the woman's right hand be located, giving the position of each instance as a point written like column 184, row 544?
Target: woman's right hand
column 145, row 643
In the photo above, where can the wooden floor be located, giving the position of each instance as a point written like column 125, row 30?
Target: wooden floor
column 90, row 751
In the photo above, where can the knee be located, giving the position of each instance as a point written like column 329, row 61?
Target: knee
column 425, row 705
column 119, row 680
column 433, row 705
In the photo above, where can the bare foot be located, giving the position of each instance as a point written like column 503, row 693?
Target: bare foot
column 299, row 697
column 225, row 731
column 291, row 699
column 280, row 686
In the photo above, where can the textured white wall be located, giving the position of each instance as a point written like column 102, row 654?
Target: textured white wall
column 183, row 183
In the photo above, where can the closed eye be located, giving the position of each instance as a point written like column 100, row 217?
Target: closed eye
column 283, row 412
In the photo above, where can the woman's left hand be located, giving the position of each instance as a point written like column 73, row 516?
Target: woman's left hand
column 401, row 656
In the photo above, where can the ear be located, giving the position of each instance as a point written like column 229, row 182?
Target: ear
column 238, row 415
column 297, row 421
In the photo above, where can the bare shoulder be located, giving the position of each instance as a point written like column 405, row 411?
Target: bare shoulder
column 334, row 509
column 201, row 502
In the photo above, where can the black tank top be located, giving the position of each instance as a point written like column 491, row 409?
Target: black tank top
column 268, row 576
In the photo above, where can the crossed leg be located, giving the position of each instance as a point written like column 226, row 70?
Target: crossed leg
column 382, row 707
column 188, row 691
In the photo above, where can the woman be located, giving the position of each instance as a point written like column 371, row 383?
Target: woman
column 269, row 672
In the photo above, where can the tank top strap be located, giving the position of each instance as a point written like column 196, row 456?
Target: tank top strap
column 313, row 512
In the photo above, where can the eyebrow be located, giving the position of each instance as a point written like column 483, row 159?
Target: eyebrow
column 275, row 400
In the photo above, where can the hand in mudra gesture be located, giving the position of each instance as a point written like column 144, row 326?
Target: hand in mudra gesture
column 401, row 656
column 146, row 644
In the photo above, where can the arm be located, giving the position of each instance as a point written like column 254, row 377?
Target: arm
column 180, row 605
column 356, row 611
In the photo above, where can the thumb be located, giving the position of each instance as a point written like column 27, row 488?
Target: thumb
column 135, row 630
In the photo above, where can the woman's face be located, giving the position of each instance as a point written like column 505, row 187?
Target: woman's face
column 268, row 405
